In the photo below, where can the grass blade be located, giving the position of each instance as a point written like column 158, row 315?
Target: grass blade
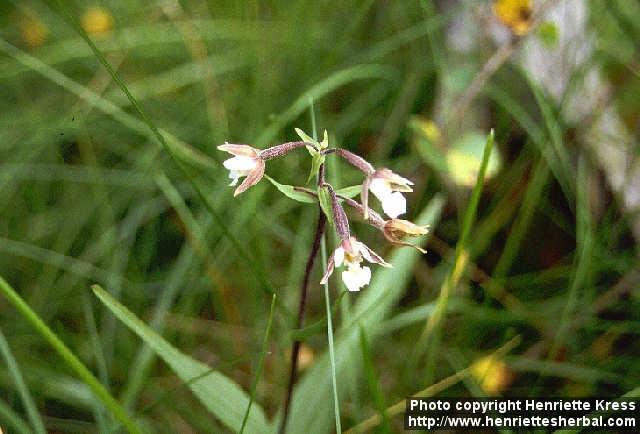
column 69, row 358
column 584, row 244
column 224, row 398
column 319, row 90
column 373, row 381
column 260, row 366
column 100, row 361
column 12, row 419
column 256, row 266
column 187, row 153
column 23, row 391
column 332, row 356
column 533, row 195
column 141, row 364
column 460, row 262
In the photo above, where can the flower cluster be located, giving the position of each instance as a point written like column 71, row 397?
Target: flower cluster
column 388, row 187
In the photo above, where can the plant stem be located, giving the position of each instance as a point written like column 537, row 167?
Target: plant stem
column 295, row 350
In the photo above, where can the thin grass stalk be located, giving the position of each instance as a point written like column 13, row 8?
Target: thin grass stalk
column 332, row 356
column 430, row 334
column 584, row 243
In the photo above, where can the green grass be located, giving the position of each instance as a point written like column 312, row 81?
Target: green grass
column 66, row 355
column 109, row 175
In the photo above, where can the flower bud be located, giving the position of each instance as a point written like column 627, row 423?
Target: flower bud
column 280, row 150
column 339, row 217
column 355, row 160
column 396, row 229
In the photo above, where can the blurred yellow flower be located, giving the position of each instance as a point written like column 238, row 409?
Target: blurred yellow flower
column 33, row 31
column 97, row 21
column 515, row 14
column 431, row 130
column 492, row 374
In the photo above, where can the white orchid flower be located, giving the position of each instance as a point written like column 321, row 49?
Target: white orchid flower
column 351, row 253
column 246, row 161
column 388, row 187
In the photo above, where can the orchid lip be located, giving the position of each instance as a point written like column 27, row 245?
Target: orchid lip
column 351, row 253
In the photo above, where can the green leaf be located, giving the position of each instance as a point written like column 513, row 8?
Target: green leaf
column 324, row 144
column 224, row 398
column 312, row 150
column 305, row 138
column 305, row 333
column 373, row 381
column 311, row 330
column 350, row 192
column 325, row 203
column 182, row 150
column 318, row 160
column 290, row 192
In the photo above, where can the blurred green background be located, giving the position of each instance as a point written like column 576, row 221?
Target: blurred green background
column 549, row 267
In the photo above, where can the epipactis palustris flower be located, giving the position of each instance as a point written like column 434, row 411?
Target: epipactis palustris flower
column 246, row 161
column 388, row 187
column 396, row 229
column 351, row 253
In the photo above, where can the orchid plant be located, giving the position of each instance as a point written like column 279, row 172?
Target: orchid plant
column 388, row 187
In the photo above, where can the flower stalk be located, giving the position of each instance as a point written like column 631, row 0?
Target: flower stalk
column 302, row 304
